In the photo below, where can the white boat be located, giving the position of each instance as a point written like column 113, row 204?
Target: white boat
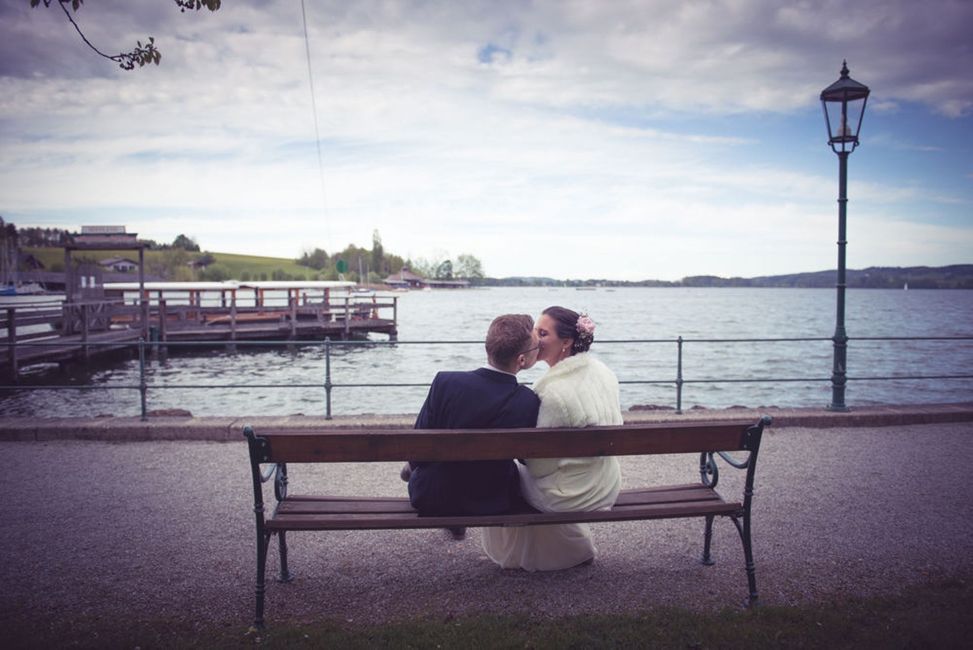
column 29, row 289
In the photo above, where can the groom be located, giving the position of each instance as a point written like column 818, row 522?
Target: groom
column 487, row 398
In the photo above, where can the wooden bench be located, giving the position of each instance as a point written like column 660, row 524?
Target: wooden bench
column 272, row 450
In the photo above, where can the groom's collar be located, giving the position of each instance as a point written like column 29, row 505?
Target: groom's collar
column 499, row 374
column 491, row 367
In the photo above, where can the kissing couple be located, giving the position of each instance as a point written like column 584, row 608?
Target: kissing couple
column 578, row 390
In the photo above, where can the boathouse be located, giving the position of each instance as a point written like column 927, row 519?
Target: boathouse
column 405, row 279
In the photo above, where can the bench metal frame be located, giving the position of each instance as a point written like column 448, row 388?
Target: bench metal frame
column 272, row 450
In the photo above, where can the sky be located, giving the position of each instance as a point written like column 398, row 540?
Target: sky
column 628, row 140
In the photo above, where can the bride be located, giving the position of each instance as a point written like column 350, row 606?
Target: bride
column 577, row 391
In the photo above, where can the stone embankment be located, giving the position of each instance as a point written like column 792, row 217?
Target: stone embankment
column 166, row 426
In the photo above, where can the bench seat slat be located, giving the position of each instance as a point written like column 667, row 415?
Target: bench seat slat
column 357, row 445
column 342, row 513
column 326, row 505
column 306, row 504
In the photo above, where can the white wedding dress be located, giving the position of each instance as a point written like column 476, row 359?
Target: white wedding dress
column 578, row 391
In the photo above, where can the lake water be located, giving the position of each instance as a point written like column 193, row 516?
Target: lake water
column 637, row 328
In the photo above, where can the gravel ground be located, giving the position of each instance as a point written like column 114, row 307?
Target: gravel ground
column 164, row 530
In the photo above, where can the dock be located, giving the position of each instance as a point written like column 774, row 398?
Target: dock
column 198, row 312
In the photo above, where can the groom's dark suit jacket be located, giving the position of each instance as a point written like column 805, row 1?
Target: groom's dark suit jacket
column 481, row 399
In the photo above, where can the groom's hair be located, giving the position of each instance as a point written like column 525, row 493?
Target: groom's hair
column 508, row 336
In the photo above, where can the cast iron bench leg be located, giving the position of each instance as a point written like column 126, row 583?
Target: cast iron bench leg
column 744, row 530
column 285, row 575
column 263, row 542
column 707, row 538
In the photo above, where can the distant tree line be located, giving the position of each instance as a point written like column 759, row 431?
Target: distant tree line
column 375, row 265
column 353, row 262
column 183, row 260
column 40, row 237
column 957, row 276
column 33, row 236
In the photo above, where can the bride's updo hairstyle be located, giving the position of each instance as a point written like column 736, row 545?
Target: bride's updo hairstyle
column 574, row 326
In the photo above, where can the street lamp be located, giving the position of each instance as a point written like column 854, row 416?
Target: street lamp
column 844, row 107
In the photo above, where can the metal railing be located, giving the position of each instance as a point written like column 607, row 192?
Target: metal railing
column 145, row 349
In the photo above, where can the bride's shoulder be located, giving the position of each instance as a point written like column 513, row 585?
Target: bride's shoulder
column 598, row 363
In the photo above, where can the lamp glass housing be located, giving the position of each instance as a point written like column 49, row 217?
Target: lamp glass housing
column 844, row 108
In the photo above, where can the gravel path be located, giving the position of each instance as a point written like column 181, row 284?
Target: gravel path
column 164, row 530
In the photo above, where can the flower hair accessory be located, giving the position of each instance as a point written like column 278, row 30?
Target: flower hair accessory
column 586, row 333
column 585, row 326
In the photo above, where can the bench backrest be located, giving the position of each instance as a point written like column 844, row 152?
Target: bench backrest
column 375, row 444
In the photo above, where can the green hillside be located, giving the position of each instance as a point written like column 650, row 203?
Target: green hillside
column 238, row 266
column 173, row 264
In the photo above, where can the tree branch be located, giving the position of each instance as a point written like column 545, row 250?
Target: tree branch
column 142, row 54
column 125, row 60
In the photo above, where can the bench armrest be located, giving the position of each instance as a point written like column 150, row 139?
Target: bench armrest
column 263, row 472
column 709, row 472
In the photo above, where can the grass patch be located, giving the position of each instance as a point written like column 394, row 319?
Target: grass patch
column 927, row 616
column 255, row 265
column 235, row 265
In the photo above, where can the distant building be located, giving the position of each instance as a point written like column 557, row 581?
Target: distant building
column 120, row 264
column 405, row 279
column 103, row 237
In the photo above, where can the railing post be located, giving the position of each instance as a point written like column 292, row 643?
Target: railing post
column 143, row 387
column 232, row 346
column 679, row 375
column 12, row 342
column 163, row 335
column 84, row 329
column 327, row 376
column 293, row 310
column 143, row 295
column 347, row 317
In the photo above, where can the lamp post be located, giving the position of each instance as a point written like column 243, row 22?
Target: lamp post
column 844, row 107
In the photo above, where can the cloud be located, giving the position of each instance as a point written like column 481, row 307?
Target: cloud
column 914, row 244
column 534, row 135
column 888, row 140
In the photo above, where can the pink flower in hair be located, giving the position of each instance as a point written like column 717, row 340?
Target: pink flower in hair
column 585, row 326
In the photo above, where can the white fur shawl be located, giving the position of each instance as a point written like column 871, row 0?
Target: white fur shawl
column 579, row 391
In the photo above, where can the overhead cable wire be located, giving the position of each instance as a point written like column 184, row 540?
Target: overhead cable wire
column 317, row 131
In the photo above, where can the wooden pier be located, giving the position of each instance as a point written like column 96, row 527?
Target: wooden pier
column 191, row 312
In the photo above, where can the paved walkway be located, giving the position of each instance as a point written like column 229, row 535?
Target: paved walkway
column 163, row 530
